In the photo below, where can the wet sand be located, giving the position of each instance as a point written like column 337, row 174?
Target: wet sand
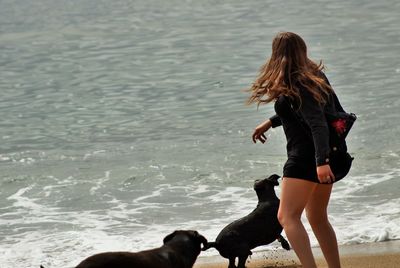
column 369, row 255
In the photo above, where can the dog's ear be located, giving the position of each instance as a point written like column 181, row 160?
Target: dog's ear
column 201, row 239
column 258, row 184
column 169, row 237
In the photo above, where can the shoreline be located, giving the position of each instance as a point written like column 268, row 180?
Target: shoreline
column 366, row 255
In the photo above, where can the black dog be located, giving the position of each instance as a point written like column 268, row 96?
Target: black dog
column 180, row 250
column 260, row 227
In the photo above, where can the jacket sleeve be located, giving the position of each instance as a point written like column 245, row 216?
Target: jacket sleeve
column 336, row 101
column 276, row 121
column 313, row 114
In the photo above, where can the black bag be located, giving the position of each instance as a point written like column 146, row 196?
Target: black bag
column 339, row 126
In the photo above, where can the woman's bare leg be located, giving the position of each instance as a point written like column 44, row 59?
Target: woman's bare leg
column 317, row 215
column 295, row 194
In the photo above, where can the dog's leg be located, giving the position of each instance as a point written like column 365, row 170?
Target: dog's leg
column 284, row 243
column 232, row 262
column 242, row 261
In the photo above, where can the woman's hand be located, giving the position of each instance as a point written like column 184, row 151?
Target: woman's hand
column 259, row 131
column 325, row 174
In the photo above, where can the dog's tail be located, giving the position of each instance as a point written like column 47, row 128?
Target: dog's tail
column 209, row 245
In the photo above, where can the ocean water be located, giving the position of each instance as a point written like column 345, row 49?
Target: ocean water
column 125, row 120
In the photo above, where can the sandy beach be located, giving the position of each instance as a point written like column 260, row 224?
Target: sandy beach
column 368, row 255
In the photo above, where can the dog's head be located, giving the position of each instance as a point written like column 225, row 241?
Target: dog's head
column 186, row 236
column 269, row 182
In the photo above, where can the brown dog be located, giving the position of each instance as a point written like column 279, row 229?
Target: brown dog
column 180, row 250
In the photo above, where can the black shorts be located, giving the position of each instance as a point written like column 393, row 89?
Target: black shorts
column 304, row 167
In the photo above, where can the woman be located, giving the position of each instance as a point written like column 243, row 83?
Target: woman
column 302, row 96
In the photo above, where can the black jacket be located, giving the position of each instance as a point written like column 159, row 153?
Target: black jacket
column 300, row 119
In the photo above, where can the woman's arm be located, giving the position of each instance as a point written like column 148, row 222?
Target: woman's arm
column 259, row 131
column 275, row 121
column 313, row 114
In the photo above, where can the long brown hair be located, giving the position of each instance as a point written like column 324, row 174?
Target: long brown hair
column 287, row 69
